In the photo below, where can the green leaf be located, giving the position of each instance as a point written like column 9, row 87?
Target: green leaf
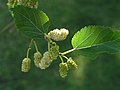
column 31, row 22
column 93, row 40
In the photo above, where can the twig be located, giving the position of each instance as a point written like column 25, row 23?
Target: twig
column 7, row 26
column 69, row 51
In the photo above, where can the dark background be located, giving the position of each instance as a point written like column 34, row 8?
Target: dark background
column 100, row 74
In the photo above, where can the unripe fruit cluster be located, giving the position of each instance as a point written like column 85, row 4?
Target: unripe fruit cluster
column 40, row 61
column 71, row 63
column 64, row 67
column 54, row 51
column 45, row 60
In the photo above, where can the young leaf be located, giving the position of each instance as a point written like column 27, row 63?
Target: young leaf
column 92, row 40
column 31, row 22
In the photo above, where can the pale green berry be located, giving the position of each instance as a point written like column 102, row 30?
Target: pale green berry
column 43, row 66
column 37, row 58
column 58, row 35
column 63, row 69
column 54, row 51
column 71, row 63
column 46, row 60
column 25, row 65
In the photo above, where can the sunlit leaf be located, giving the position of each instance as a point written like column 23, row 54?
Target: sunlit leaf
column 92, row 40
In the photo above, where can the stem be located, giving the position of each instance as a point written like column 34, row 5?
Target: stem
column 7, row 26
column 30, row 43
column 36, row 46
column 28, row 52
column 65, row 57
column 29, row 47
column 61, row 59
column 47, row 38
column 69, row 51
column 48, row 46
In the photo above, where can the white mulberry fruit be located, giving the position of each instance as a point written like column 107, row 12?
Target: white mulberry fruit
column 58, row 35
column 46, row 60
column 63, row 69
column 71, row 63
column 26, row 65
column 37, row 58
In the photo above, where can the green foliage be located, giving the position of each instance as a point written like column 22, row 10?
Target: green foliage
column 30, row 21
column 101, row 74
column 89, row 41
column 93, row 40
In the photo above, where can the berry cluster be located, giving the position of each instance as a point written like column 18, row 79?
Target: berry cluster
column 45, row 60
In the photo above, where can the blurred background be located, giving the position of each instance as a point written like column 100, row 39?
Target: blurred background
column 100, row 74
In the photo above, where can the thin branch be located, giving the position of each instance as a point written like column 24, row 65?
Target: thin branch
column 35, row 46
column 28, row 51
column 7, row 26
column 12, row 29
column 69, row 51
